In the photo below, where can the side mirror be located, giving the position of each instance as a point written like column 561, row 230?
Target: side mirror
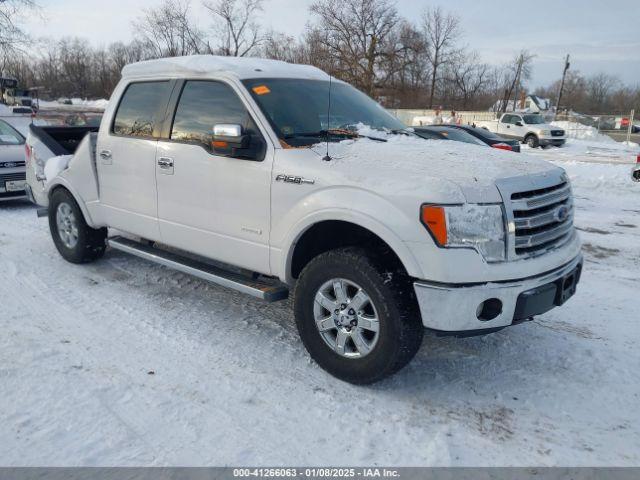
column 228, row 138
column 635, row 174
column 519, row 124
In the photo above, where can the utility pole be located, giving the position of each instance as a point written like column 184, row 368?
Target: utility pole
column 564, row 75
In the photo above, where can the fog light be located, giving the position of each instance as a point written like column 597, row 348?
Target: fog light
column 489, row 309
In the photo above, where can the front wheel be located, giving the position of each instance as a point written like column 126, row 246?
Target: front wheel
column 357, row 320
column 532, row 141
column 76, row 241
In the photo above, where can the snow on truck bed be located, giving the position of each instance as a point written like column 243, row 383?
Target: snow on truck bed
column 123, row 362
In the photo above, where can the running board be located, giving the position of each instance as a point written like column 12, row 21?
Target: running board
column 265, row 290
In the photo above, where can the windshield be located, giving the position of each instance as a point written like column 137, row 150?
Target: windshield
column 9, row 135
column 533, row 119
column 482, row 132
column 457, row 135
column 298, row 109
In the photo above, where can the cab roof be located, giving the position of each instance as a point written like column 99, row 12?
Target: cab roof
column 240, row 67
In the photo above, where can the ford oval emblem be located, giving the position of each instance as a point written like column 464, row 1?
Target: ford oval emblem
column 562, row 213
column 9, row 165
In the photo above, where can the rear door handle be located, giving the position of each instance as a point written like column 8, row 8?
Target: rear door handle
column 106, row 157
column 166, row 165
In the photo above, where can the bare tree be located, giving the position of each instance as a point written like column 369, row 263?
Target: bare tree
column 169, row 31
column 76, row 67
column 469, row 77
column 599, row 88
column 12, row 35
column 442, row 31
column 404, row 68
column 240, row 33
column 355, row 33
column 278, row 46
column 516, row 72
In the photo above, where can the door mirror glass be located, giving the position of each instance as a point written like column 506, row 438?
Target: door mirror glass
column 227, row 130
column 519, row 123
column 228, row 139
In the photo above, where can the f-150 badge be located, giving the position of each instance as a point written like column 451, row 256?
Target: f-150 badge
column 293, row 179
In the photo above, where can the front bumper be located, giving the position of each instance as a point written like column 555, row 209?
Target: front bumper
column 555, row 141
column 491, row 306
column 12, row 196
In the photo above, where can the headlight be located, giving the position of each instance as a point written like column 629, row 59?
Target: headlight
column 467, row 226
column 545, row 133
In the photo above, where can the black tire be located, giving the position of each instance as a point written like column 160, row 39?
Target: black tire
column 532, row 141
column 400, row 326
column 91, row 243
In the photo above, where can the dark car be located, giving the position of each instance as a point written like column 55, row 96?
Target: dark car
column 447, row 132
column 490, row 138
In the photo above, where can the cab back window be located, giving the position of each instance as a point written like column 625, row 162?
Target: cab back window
column 142, row 107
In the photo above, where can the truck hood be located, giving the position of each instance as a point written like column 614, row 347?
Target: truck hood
column 10, row 154
column 435, row 170
column 542, row 126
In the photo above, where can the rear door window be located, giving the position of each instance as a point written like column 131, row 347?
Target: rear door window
column 141, row 109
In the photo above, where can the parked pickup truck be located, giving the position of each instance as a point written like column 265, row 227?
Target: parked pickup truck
column 528, row 128
column 236, row 171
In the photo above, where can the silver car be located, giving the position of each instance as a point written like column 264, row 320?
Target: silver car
column 12, row 163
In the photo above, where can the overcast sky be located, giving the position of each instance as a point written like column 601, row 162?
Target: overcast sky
column 600, row 35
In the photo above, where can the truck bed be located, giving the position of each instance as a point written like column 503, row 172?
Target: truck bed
column 61, row 140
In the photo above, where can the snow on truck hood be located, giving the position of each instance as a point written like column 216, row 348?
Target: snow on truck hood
column 440, row 170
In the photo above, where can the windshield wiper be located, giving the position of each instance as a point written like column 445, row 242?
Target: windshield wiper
column 334, row 132
column 402, row 131
column 324, row 133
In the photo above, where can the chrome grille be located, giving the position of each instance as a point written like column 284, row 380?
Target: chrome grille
column 12, row 177
column 543, row 218
column 557, row 133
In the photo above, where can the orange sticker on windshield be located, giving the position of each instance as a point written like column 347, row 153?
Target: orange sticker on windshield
column 261, row 90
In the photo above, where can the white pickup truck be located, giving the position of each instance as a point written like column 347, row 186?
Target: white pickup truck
column 266, row 177
column 529, row 128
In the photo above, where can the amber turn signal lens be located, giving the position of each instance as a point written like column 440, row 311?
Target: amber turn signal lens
column 433, row 217
column 219, row 144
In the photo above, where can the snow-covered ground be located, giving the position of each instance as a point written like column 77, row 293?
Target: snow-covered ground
column 589, row 150
column 122, row 362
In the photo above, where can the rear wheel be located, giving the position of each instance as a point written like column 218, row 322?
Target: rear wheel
column 358, row 320
column 76, row 241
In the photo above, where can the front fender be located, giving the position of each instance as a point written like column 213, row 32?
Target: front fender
column 348, row 204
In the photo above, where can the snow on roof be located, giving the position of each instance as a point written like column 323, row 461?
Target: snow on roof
column 241, row 67
column 542, row 103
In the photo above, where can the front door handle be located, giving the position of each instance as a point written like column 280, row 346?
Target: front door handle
column 106, row 157
column 166, row 165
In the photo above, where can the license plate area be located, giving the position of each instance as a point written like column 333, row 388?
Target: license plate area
column 15, row 185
